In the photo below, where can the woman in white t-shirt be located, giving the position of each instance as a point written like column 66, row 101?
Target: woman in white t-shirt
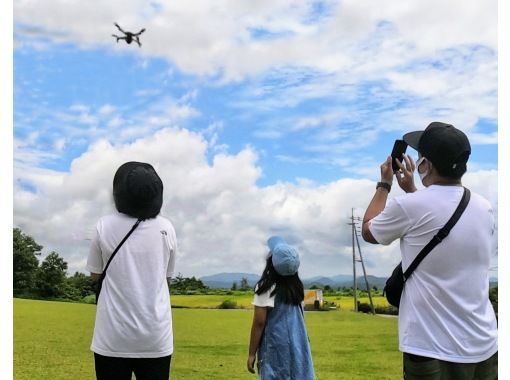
column 279, row 339
column 133, row 327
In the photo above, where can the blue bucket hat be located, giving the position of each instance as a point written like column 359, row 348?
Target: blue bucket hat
column 285, row 258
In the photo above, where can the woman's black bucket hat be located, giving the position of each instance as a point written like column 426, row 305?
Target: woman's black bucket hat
column 138, row 190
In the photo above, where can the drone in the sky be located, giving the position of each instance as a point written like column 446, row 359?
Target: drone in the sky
column 128, row 36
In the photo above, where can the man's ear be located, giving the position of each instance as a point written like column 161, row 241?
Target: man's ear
column 430, row 166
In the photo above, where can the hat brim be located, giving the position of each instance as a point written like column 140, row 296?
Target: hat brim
column 413, row 138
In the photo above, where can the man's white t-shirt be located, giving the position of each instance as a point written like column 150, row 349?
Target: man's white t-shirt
column 445, row 311
column 133, row 317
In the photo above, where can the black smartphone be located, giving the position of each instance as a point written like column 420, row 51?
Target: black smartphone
column 399, row 148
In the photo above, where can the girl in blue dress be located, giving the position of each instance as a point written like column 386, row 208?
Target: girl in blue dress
column 279, row 340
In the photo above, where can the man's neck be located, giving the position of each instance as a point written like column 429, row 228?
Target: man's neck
column 435, row 179
column 447, row 183
column 442, row 181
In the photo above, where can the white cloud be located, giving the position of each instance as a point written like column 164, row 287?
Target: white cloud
column 221, row 215
column 208, row 37
column 484, row 138
column 81, row 125
column 82, row 108
column 307, row 123
column 60, row 144
column 106, row 109
column 25, row 154
column 433, row 59
column 115, row 122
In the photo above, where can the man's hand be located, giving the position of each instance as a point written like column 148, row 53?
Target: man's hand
column 378, row 202
column 405, row 176
column 387, row 171
column 251, row 363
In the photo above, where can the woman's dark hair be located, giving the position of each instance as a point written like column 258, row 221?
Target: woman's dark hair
column 288, row 288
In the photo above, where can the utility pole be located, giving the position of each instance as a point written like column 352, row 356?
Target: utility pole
column 354, row 221
column 355, row 284
column 365, row 275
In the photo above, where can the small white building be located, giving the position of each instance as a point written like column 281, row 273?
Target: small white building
column 313, row 299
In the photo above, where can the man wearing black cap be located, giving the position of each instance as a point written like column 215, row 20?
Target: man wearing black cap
column 134, row 252
column 447, row 326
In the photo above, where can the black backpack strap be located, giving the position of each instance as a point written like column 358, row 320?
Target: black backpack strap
column 441, row 234
column 103, row 275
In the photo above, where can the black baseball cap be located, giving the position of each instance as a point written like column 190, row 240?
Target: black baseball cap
column 444, row 145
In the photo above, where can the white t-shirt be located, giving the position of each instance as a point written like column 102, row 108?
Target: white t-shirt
column 445, row 311
column 133, row 317
column 265, row 299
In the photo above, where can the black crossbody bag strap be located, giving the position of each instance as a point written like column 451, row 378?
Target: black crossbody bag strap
column 442, row 233
column 103, row 275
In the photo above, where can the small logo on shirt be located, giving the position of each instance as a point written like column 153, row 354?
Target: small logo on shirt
column 163, row 232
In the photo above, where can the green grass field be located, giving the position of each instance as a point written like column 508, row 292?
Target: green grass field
column 244, row 299
column 52, row 340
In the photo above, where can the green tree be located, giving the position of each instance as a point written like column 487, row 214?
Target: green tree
column 244, row 285
column 50, row 278
column 79, row 285
column 25, row 261
column 234, row 286
column 184, row 284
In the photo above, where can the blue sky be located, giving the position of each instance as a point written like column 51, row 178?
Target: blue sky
column 260, row 118
column 313, row 136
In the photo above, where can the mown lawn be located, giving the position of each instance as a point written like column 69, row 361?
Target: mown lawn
column 212, row 301
column 52, row 339
column 244, row 299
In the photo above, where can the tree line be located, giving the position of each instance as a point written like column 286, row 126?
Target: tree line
column 49, row 279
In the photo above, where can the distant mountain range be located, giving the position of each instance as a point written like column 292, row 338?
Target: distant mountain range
column 226, row 280
column 346, row 280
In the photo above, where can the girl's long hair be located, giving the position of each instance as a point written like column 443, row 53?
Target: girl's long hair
column 289, row 288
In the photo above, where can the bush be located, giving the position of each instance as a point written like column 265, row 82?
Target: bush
column 364, row 307
column 90, row 299
column 327, row 306
column 228, row 304
column 390, row 310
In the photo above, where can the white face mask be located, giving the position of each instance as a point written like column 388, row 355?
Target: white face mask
column 425, row 173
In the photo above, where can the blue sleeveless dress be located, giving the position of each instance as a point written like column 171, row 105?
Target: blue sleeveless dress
column 284, row 351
